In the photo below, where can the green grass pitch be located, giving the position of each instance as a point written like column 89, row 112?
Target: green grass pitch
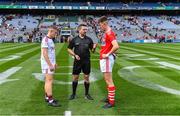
column 147, row 78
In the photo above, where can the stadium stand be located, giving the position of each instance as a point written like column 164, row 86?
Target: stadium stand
column 14, row 27
column 31, row 28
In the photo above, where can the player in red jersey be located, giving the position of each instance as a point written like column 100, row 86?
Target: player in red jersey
column 109, row 45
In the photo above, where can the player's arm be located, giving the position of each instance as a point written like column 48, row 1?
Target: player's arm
column 115, row 47
column 113, row 50
column 46, row 57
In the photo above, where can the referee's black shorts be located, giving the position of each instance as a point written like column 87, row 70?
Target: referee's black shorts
column 84, row 65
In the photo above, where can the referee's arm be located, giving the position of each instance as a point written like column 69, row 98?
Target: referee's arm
column 70, row 51
column 92, row 46
column 70, row 47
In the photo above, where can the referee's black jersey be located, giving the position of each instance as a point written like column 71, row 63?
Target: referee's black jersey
column 81, row 46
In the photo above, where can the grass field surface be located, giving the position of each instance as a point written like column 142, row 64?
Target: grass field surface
column 147, row 78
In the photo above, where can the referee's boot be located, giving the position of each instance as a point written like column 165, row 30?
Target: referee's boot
column 88, row 97
column 73, row 96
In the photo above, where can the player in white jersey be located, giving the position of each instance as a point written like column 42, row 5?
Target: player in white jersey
column 48, row 64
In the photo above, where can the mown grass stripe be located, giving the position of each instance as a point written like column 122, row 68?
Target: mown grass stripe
column 176, row 45
column 151, row 68
column 130, row 99
column 159, row 55
column 9, row 46
column 164, row 46
column 17, row 47
column 153, row 63
column 17, row 50
column 15, row 62
column 22, row 53
column 164, row 51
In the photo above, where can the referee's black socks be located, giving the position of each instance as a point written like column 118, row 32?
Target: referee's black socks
column 74, row 86
column 86, row 85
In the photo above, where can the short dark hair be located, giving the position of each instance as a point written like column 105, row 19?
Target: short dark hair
column 54, row 27
column 81, row 25
column 102, row 19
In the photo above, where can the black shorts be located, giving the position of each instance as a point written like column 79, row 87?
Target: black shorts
column 83, row 65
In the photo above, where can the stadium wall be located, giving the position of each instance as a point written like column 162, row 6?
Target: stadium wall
column 91, row 12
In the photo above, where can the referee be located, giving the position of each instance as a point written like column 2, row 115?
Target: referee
column 80, row 47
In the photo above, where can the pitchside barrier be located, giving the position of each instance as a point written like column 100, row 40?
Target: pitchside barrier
column 152, row 41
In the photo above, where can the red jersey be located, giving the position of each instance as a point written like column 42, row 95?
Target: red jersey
column 106, row 42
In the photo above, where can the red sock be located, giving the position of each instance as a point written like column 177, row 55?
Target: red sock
column 111, row 94
column 49, row 97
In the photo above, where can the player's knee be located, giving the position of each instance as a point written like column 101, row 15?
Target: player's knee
column 86, row 80
column 49, row 80
column 75, row 79
column 108, row 80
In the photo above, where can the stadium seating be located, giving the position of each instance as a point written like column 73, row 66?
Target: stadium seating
column 126, row 27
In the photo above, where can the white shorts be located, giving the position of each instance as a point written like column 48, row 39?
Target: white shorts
column 47, row 71
column 106, row 65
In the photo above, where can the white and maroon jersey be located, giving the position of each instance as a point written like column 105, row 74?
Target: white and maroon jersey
column 49, row 44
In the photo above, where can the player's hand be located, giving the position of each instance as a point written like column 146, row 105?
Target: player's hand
column 51, row 67
column 104, row 56
column 77, row 57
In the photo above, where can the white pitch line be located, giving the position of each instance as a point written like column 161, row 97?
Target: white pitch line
column 67, row 113
column 145, row 59
column 169, row 65
column 94, row 76
column 153, row 53
column 134, row 55
column 9, row 72
column 40, row 77
column 11, row 57
column 4, row 75
column 142, row 82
